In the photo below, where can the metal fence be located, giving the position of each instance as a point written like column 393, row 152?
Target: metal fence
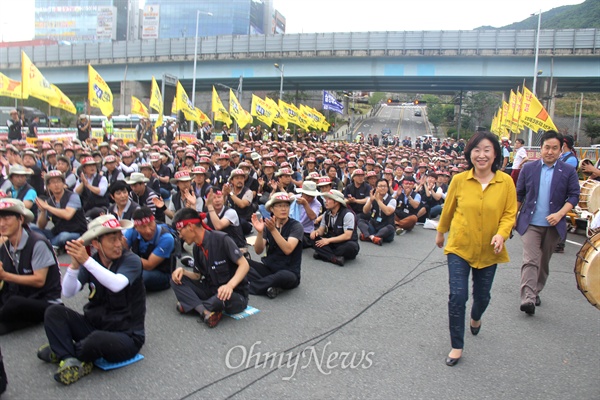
column 560, row 42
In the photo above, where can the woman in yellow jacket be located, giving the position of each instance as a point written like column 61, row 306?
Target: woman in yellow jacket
column 479, row 211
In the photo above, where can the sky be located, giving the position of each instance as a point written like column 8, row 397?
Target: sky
column 309, row 16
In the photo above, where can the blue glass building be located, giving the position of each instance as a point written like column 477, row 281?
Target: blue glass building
column 233, row 17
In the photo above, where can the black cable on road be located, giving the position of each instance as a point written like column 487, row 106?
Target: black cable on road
column 321, row 337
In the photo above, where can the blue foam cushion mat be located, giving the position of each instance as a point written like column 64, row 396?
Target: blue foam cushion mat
column 246, row 313
column 107, row 366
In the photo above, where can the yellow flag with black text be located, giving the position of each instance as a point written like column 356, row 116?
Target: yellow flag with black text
column 534, row 115
column 99, row 94
column 184, row 104
column 238, row 113
column 280, row 118
column 262, row 110
column 156, row 102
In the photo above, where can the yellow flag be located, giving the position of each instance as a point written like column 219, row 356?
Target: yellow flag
column 62, row 101
column 262, row 110
column 517, row 115
column 138, row 108
column 279, row 118
column 313, row 116
column 33, row 82
column 99, row 93
column 238, row 113
column 290, row 112
column 156, row 102
column 9, row 87
column 202, row 118
column 534, row 115
column 184, row 104
column 303, row 121
column 220, row 112
column 505, row 119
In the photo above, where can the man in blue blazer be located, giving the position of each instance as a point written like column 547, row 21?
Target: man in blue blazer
column 547, row 189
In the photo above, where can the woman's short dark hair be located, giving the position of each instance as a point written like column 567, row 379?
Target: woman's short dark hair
column 474, row 142
column 117, row 186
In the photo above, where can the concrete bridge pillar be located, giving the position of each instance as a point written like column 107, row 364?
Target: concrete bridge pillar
column 122, row 100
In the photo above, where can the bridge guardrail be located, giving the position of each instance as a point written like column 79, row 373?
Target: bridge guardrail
column 450, row 43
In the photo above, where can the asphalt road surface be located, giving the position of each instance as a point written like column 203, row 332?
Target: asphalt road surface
column 399, row 119
column 382, row 323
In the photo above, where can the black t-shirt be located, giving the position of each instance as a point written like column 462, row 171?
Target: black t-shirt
column 358, row 193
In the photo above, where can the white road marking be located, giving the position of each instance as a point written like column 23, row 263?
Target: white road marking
column 572, row 242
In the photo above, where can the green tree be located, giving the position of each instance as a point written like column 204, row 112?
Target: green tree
column 376, row 98
column 480, row 106
column 436, row 115
column 592, row 129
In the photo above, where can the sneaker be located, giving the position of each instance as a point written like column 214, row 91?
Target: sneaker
column 273, row 292
column 179, row 308
column 338, row 261
column 71, row 370
column 559, row 249
column 46, row 354
column 377, row 240
column 364, row 238
column 187, row 261
column 213, row 319
column 317, row 256
column 400, row 231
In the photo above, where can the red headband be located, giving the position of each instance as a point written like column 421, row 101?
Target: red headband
column 185, row 222
column 143, row 221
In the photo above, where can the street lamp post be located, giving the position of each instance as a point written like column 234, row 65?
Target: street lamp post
column 535, row 67
column 280, row 68
column 198, row 12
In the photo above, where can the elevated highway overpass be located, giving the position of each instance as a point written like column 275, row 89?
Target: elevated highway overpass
column 419, row 61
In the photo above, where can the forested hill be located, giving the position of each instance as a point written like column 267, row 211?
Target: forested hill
column 578, row 16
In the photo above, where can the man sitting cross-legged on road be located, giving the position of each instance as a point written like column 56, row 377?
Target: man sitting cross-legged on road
column 29, row 275
column 218, row 281
column 336, row 240
column 112, row 324
column 282, row 237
